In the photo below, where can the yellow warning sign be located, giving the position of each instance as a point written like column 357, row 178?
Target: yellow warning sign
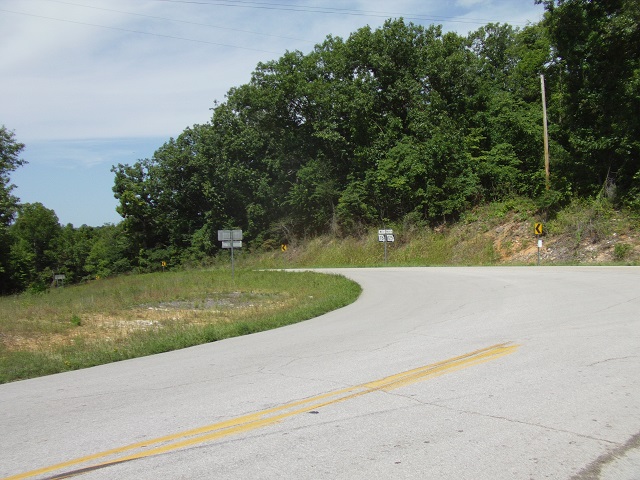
column 538, row 229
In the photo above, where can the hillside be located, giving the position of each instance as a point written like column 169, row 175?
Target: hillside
column 583, row 233
column 406, row 126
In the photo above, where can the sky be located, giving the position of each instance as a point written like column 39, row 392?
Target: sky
column 88, row 84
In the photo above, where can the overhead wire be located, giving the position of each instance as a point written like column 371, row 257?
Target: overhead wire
column 120, row 29
column 175, row 20
column 235, row 3
column 331, row 10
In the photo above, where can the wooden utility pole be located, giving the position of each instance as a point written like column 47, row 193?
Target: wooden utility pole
column 546, row 133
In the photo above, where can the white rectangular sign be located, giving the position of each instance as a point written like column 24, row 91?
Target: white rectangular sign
column 228, row 243
column 385, row 232
column 229, row 235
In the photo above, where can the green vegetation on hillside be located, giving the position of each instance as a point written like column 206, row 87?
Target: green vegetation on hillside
column 402, row 125
column 498, row 233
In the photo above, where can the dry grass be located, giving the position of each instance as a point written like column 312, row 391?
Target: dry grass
column 126, row 317
column 32, row 332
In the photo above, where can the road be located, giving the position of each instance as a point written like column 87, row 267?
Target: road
column 434, row 373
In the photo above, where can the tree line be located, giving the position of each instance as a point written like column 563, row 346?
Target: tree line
column 401, row 123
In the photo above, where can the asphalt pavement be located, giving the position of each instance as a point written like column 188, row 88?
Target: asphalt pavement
column 434, row 373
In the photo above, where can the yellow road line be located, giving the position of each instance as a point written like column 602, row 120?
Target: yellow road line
column 270, row 416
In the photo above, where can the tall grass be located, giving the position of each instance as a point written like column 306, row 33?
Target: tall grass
column 132, row 316
column 474, row 240
column 423, row 247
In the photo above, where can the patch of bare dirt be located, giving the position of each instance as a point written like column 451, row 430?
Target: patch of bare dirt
column 114, row 327
column 515, row 243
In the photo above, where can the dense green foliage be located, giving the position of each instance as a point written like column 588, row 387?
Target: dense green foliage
column 597, row 57
column 38, row 247
column 9, row 160
column 402, row 123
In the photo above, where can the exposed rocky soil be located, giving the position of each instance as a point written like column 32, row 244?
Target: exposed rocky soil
column 515, row 243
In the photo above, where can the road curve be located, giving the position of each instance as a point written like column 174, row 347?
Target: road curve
column 443, row 373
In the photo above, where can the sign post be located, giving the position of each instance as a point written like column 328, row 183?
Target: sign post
column 539, row 248
column 538, row 230
column 384, row 236
column 231, row 239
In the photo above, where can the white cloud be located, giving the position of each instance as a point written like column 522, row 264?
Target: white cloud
column 75, row 79
column 471, row 3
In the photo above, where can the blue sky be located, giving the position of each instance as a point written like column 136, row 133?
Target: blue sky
column 88, row 84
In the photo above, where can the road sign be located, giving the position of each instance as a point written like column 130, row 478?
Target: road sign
column 538, row 229
column 229, row 235
column 386, row 235
column 283, row 247
column 230, row 239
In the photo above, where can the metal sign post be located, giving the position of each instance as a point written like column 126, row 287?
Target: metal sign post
column 231, row 239
column 385, row 236
column 539, row 248
column 538, row 229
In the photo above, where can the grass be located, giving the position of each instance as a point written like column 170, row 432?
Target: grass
column 420, row 247
column 499, row 233
column 132, row 316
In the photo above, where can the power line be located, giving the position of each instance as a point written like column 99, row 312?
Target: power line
column 179, row 21
column 173, row 37
column 331, row 11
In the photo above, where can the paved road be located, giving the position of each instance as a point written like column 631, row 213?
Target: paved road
column 434, row 373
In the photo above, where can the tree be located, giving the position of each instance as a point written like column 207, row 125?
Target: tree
column 597, row 46
column 108, row 254
column 9, row 160
column 33, row 252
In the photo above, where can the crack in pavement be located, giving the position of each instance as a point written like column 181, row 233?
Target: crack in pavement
column 510, row 420
column 612, row 359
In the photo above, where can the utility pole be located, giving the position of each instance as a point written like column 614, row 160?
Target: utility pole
column 546, row 133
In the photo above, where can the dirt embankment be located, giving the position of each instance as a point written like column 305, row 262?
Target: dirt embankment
column 515, row 243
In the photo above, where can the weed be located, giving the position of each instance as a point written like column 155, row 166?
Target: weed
column 585, row 220
column 621, row 250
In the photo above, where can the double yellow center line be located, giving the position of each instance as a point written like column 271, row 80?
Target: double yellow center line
column 267, row 417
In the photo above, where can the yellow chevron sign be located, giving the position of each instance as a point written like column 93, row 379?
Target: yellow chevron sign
column 538, row 229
